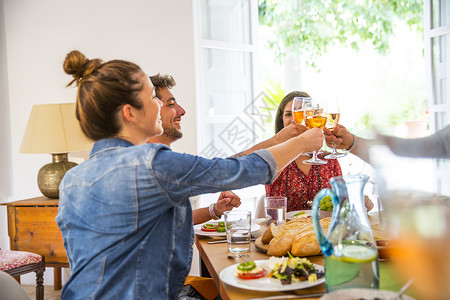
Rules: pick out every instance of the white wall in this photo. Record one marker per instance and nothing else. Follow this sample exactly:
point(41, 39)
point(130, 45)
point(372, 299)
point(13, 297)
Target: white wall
point(35, 36)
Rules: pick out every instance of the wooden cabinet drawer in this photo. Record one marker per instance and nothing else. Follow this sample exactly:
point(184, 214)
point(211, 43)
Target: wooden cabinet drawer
point(35, 230)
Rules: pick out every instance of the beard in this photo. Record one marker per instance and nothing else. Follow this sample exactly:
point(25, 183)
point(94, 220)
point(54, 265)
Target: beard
point(172, 133)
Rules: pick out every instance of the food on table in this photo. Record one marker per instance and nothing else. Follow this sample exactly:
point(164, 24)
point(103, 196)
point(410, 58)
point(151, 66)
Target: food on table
point(214, 227)
point(249, 270)
point(268, 234)
point(326, 204)
point(281, 238)
point(295, 269)
point(301, 214)
point(305, 243)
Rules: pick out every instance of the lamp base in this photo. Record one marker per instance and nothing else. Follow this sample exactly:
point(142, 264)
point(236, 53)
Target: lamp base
point(50, 175)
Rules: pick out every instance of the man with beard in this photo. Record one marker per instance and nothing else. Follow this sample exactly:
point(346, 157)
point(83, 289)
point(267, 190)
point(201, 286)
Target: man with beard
point(171, 113)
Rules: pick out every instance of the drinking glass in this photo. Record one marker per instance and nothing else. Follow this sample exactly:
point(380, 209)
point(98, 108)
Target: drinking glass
point(315, 118)
point(238, 229)
point(333, 113)
point(420, 248)
point(415, 197)
point(299, 105)
point(275, 208)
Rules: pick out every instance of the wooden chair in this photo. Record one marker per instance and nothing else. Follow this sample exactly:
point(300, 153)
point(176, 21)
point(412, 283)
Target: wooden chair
point(17, 263)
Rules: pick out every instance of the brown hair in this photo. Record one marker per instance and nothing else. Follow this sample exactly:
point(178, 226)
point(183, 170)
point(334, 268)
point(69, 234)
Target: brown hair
point(103, 89)
point(279, 116)
point(162, 81)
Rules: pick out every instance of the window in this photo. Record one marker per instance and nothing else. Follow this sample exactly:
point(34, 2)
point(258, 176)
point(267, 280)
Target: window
point(225, 35)
point(224, 68)
point(437, 47)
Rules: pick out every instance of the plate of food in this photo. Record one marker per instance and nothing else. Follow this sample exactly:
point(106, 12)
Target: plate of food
point(274, 275)
point(217, 228)
point(298, 214)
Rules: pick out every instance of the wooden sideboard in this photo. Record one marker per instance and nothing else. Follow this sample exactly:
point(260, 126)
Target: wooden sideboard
point(32, 227)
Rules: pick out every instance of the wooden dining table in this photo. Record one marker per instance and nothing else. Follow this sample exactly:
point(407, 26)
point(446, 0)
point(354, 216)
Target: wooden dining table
point(214, 257)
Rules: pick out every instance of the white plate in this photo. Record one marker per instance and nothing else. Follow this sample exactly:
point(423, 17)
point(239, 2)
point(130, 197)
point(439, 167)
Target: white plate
point(264, 284)
point(349, 294)
point(198, 229)
point(290, 215)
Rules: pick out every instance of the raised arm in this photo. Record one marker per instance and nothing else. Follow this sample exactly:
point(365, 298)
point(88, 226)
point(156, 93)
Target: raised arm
point(436, 145)
point(284, 134)
point(348, 141)
point(285, 152)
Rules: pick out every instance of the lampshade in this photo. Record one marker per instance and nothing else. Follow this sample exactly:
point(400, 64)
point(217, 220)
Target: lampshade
point(54, 129)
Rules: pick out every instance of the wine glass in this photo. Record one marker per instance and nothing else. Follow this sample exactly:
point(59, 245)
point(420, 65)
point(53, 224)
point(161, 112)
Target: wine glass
point(333, 113)
point(315, 118)
point(299, 105)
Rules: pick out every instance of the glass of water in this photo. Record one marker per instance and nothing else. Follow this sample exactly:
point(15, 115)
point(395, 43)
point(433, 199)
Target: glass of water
point(238, 229)
point(275, 208)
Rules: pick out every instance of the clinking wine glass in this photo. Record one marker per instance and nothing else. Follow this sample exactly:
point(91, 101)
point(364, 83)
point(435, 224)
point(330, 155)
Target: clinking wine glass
point(299, 105)
point(314, 118)
point(333, 114)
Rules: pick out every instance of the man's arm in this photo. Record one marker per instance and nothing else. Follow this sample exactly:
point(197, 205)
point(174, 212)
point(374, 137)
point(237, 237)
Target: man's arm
point(284, 134)
point(436, 145)
point(345, 140)
point(226, 202)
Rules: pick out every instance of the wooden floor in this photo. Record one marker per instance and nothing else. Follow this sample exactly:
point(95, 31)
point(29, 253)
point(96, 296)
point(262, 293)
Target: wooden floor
point(49, 292)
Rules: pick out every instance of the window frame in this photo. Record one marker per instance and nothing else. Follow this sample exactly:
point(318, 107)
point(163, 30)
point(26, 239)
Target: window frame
point(203, 117)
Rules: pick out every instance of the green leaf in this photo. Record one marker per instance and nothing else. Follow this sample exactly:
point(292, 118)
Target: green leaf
point(310, 27)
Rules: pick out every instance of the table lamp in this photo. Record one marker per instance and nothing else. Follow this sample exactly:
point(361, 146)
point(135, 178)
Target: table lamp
point(54, 129)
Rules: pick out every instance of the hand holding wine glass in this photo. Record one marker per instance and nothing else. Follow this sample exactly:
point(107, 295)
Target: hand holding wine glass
point(314, 118)
point(299, 105)
point(333, 115)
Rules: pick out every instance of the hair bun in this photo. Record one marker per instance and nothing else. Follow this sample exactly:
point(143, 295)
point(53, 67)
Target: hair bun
point(79, 66)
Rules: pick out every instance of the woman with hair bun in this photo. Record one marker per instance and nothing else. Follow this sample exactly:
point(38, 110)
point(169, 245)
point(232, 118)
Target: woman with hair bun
point(124, 213)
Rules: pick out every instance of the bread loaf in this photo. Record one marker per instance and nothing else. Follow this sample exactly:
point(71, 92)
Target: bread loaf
point(284, 234)
point(305, 243)
point(268, 234)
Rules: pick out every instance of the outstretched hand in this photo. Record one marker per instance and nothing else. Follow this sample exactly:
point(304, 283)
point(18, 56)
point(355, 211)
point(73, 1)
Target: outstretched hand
point(312, 139)
point(288, 132)
point(341, 137)
point(226, 202)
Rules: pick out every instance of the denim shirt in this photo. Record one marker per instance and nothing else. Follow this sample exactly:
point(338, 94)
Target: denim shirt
point(126, 218)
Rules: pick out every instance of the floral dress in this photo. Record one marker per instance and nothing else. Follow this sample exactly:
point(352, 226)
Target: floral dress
point(299, 188)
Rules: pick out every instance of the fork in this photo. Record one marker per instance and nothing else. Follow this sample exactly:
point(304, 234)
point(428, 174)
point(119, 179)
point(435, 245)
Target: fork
point(246, 257)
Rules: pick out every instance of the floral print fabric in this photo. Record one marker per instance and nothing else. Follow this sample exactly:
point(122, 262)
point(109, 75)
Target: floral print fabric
point(14, 259)
point(299, 188)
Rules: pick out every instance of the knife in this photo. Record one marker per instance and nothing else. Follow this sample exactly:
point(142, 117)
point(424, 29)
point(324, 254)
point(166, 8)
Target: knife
point(224, 241)
point(288, 296)
point(217, 242)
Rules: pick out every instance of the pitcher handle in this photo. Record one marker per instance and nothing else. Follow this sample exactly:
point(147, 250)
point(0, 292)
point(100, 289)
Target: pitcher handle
point(325, 245)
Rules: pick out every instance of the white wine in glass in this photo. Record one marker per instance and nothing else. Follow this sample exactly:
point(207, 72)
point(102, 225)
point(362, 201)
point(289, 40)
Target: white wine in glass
point(333, 115)
point(298, 108)
point(315, 119)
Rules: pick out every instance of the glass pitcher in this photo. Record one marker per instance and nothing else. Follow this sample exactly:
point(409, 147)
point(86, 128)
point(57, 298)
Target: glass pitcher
point(351, 257)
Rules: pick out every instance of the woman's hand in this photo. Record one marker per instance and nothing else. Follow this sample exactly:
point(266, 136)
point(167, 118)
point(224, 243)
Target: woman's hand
point(312, 139)
point(288, 132)
point(226, 202)
point(368, 203)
